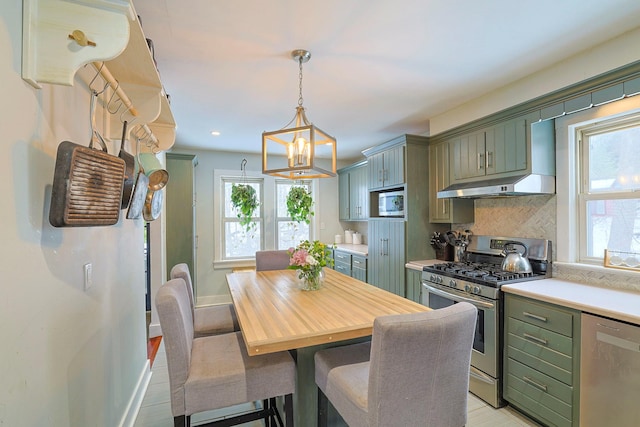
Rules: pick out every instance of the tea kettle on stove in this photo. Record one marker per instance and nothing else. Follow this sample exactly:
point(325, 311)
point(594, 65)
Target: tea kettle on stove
point(515, 261)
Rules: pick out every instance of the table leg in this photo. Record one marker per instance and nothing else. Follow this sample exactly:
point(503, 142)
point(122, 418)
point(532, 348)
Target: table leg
point(305, 399)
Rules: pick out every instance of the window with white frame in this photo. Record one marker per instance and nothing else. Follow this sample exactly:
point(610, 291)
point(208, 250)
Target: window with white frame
point(608, 187)
point(289, 233)
point(234, 246)
point(240, 242)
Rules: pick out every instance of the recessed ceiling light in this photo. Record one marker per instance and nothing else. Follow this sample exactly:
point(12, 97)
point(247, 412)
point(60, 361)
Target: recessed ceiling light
point(215, 132)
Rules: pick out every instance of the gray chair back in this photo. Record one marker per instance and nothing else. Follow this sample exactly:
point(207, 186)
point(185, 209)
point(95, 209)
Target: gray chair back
point(176, 321)
point(181, 271)
point(272, 260)
point(419, 370)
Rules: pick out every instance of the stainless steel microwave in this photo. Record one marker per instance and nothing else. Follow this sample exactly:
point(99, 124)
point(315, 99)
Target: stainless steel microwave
point(391, 203)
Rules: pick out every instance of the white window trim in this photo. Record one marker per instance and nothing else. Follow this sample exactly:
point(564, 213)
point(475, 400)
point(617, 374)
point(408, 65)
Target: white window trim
point(567, 185)
point(268, 215)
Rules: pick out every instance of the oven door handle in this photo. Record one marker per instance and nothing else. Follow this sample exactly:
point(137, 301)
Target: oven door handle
point(458, 298)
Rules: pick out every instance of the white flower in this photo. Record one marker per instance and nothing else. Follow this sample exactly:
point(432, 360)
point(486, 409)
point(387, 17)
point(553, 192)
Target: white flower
point(311, 260)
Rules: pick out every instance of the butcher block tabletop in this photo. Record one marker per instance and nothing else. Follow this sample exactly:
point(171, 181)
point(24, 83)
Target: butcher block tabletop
point(275, 314)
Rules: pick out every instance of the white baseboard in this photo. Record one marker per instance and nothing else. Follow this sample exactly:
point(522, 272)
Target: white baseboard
point(131, 413)
point(155, 330)
point(213, 300)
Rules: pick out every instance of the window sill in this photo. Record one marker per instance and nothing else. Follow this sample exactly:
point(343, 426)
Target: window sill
point(237, 263)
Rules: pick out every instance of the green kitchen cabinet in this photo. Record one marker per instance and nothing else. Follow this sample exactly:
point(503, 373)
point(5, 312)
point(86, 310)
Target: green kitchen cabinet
point(359, 267)
point(445, 210)
point(542, 360)
point(350, 264)
point(342, 262)
point(353, 197)
point(386, 169)
point(414, 285)
point(180, 205)
point(512, 147)
point(387, 254)
point(394, 241)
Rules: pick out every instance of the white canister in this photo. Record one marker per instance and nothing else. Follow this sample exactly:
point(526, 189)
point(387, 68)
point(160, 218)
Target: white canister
point(348, 236)
point(357, 238)
point(337, 238)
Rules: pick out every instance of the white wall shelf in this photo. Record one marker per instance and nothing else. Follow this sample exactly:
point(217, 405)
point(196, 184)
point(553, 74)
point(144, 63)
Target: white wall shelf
point(118, 49)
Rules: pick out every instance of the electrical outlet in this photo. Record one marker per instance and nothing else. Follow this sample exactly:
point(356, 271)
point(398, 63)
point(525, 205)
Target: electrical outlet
point(88, 280)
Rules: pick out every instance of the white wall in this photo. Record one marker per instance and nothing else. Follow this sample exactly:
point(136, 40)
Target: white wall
point(68, 357)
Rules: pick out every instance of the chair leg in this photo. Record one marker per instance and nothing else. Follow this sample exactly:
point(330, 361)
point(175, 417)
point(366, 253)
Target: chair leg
point(323, 408)
point(288, 410)
point(182, 421)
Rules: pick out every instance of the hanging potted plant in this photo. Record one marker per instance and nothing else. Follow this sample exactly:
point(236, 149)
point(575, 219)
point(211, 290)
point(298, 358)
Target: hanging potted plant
point(299, 204)
point(245, 200)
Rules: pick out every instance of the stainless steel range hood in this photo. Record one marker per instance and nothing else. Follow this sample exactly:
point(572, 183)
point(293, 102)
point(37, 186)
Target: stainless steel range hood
point(521, 185)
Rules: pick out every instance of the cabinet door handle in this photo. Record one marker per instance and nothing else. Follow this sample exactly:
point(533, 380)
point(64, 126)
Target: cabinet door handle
point(489, 155)
point(480, 161)
point(534, 383)
point(534, 316)
point(381, 247)
point(380, 175)
point(535, 339)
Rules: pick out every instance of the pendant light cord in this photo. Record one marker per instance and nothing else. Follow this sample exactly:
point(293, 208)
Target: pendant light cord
point(300, 77)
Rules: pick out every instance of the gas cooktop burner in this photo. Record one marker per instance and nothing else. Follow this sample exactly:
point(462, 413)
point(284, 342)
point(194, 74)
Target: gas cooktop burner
point(479, 272)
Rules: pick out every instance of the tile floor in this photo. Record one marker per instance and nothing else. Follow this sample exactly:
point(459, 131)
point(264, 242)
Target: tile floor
point(156, 407)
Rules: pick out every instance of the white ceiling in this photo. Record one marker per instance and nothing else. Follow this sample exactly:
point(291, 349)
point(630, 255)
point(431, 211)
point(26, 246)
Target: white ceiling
point(379, 68)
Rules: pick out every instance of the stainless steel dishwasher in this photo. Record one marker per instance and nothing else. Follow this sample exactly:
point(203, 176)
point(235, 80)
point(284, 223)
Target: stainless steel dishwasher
point(609, 373)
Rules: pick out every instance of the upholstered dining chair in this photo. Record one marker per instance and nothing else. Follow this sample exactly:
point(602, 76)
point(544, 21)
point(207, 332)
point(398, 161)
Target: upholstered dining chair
point(215, 372)
point(272, 260)
point(209, 320)
point(413, 372)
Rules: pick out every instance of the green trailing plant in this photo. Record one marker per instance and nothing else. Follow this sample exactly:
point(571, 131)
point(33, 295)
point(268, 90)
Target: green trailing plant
point(299, 204)
point(245, 200)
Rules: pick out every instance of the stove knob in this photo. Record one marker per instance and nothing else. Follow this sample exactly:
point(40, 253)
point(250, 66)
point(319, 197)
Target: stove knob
point(476, 289)
point(467, 288)
point(452, 283)
point(440, 279)
point(433, 278)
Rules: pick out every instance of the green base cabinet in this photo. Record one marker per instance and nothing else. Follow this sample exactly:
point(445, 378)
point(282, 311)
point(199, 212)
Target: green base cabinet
point(342, 262)
point(414, 285)
point(359, 267)
point(387, 254)
point(542, 360)
point(350, 264)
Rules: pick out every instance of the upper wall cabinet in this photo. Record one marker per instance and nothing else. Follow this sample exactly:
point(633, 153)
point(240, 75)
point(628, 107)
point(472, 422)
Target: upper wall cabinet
point(353, 197)
point(445, 210)
point(386, 168)
point(60, 36)
point(507, 148)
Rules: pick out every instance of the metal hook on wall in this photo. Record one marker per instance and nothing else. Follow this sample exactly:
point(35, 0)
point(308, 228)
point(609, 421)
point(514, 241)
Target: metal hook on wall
point(96, 76)
point(120, 104)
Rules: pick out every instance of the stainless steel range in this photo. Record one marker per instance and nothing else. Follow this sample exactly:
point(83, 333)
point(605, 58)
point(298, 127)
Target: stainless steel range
point(477, 280)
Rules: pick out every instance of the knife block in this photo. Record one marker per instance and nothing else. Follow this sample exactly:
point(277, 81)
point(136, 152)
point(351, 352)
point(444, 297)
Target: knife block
point(445, 254)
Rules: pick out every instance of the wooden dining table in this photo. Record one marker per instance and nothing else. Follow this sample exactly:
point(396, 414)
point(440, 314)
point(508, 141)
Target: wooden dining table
point(276, 315)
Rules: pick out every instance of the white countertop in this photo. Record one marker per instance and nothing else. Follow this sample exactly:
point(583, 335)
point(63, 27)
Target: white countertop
point(354, 249)
point(615, 303)
point(417, 265)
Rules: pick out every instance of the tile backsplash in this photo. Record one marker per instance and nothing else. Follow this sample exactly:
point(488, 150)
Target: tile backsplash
point(522, 216)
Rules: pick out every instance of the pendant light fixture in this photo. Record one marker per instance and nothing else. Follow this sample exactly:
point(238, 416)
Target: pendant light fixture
point(293, 151)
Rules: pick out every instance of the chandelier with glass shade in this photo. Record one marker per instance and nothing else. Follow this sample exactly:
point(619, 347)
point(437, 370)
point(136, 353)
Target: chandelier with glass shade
point(300, 149)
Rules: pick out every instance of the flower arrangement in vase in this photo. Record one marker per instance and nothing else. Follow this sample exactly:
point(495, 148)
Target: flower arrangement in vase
point(309, 258)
